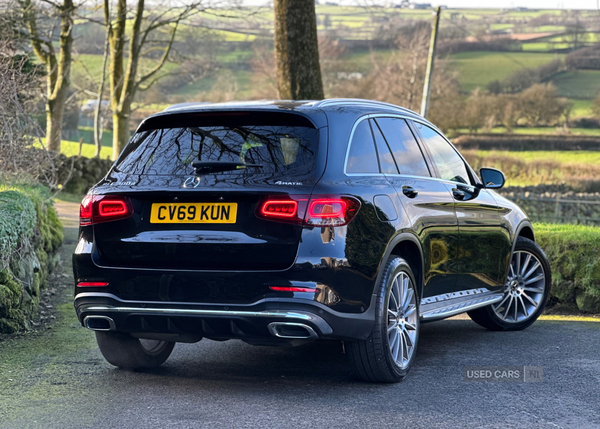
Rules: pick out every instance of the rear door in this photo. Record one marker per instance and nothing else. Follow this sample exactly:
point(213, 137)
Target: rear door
point(483, 243)
point(425, 200)
point(366, 166)
point(208, 217)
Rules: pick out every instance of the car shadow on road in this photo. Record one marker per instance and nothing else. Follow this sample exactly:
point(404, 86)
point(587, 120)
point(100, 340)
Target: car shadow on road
point(321, 362)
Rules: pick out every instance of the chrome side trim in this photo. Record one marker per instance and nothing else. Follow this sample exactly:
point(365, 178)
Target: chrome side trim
point(292, 315)
point(312, 335)
point(447, 296)
point(454, 309)
point(389, 115)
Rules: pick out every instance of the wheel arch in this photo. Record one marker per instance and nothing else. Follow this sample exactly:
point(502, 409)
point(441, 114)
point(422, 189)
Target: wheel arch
point(524, 229)
point(408, 247)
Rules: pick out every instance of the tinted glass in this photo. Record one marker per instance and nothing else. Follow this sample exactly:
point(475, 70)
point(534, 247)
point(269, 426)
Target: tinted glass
point(386, 161)
point(448, 161)
point(362, 157)
point(171, 151)
point(406, 151)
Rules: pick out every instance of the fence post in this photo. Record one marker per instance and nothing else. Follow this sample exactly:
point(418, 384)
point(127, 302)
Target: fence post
point(557, 211)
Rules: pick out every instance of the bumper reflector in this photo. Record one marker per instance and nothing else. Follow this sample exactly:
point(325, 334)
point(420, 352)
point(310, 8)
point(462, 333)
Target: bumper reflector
point(92, 284)
point(293, 289)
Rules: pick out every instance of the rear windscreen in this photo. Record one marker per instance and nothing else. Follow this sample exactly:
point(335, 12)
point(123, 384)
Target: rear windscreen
point(278, 148)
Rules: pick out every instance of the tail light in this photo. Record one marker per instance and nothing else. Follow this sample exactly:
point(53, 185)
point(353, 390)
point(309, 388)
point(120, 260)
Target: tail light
point(281, 209)
point(316, 210)
point(286, 208)
point(103, 208)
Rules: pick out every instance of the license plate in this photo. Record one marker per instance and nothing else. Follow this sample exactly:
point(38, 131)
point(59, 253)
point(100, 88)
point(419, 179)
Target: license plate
point(193, 213)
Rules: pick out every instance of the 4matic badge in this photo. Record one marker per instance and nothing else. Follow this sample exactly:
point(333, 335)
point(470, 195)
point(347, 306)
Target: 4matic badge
point(279, 182)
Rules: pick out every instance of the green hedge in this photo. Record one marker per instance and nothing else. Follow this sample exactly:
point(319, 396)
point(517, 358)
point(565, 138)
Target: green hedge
point(574, 253)
point(30, 235)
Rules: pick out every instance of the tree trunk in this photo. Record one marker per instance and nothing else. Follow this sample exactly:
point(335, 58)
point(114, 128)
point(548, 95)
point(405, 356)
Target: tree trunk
point(120, 133)
point(297, 50)
point(58, 68)
point(53, 128)
point(98, 122)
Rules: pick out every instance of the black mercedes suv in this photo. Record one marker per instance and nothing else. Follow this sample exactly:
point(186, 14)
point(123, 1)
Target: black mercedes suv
point(286, 222)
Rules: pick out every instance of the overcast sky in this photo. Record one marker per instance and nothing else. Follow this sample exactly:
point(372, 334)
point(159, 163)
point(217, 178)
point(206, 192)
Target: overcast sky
point(532, 4)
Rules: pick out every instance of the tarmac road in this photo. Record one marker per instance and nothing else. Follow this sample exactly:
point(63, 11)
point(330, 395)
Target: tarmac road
point(58, 379)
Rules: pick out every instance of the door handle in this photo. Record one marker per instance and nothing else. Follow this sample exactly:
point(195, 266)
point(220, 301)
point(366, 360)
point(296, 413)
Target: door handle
point(458, 194)
point(409, 192)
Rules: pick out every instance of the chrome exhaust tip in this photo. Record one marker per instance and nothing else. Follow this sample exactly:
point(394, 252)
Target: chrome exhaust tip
point(99, 323)
point(292, 331)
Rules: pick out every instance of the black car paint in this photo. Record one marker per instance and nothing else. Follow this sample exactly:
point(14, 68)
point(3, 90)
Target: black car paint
point(344, 263)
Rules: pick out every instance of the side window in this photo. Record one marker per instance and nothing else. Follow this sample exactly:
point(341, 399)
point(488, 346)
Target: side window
point(386, 160)
point(406, 150)
point(362, 157)
point(448, 161)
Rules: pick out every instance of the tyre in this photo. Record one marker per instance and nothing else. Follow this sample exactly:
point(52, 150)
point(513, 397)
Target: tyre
point(388, 353)
point(525, 292)
point(127, 352)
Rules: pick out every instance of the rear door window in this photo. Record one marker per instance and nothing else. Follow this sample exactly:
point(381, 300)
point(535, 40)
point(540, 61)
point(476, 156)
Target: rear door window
point(386, 160)
point(404, 146)
point(277, 148)
point(362, 157)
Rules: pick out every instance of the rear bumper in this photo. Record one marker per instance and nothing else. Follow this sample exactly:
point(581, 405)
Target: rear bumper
point(250, 322)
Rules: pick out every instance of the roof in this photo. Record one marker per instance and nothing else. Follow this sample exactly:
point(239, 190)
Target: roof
point(314, 110)
point(300, 105)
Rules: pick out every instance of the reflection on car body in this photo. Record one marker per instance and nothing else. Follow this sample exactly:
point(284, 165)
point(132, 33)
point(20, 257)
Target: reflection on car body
point(288, 222)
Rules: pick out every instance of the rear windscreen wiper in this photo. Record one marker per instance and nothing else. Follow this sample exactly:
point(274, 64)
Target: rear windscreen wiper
point(205, 167)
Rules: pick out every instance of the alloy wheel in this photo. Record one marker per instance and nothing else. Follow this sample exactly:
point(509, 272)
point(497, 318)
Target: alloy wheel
point(524, 288)
point(402, 320)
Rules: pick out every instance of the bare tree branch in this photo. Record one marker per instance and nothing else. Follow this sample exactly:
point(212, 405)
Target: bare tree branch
point(162, 61)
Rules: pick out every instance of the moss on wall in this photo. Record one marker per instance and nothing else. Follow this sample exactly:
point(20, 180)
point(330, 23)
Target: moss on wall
point(30, 235)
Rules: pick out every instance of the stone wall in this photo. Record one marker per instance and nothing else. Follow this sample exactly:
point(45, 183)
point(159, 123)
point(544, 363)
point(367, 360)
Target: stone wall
point(84, 172)
point(30, 235)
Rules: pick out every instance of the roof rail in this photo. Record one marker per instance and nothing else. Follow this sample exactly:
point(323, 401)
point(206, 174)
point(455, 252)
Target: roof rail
point(334, 101)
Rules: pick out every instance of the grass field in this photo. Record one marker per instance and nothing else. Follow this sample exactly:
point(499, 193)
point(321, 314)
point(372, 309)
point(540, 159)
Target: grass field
point(543, 46)
point(70, 148)
point(564, 157)
point(541, 131)
point(579, 169)
point(582, 84)
point(87, 133)
point(581, 108)
point(477, 69)
point(472, 69)
point(90, 66)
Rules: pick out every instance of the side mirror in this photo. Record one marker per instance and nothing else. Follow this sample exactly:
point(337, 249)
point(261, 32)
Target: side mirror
point(492, 178)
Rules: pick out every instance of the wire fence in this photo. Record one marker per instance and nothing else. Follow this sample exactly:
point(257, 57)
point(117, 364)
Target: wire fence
point(559, 210)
